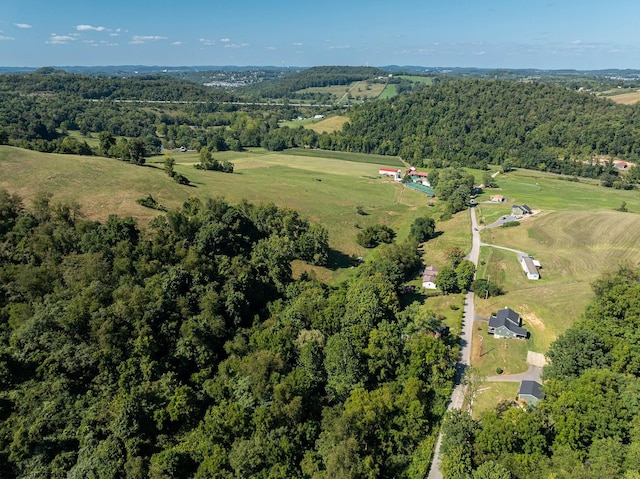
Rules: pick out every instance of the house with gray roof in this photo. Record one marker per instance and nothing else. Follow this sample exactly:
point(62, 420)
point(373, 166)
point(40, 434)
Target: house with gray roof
point(506, 323)
point(518, 210)
point(530, 392)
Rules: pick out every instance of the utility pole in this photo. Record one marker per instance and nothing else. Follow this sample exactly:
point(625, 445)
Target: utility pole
point(486, 293)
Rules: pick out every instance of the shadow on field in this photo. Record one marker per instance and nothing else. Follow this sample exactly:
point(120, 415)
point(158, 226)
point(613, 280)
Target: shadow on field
point(338, 260)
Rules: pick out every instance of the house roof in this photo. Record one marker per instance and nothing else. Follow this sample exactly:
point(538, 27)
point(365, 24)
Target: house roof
point(529, 264)
point(523, 208)
point(531, 388)
point(508, 318)
point(390, 170)
point(429, 274)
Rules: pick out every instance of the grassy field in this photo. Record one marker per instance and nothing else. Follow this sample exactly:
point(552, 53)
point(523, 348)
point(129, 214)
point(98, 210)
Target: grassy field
point(331, 124)
point(348, 156)
point(313, 185)
point(389, 91)
point(577, 235)
point(357, 89)
point(418, 79)
point(626, 98)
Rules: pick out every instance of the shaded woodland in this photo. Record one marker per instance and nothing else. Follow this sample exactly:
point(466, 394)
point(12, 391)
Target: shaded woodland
point(187, 349)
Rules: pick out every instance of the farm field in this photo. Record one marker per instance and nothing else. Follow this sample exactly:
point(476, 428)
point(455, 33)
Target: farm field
point(364, 89)
point(331, 124)
point(315, 186)
point(577, 236)
point(627, 98)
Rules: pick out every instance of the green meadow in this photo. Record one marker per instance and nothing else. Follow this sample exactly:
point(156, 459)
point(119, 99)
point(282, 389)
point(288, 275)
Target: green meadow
point(327, 190)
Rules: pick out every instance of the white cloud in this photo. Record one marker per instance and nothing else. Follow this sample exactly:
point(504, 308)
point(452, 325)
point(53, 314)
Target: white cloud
point(177, 43)
point(114, 34)
point(22, 25)
point(298, 44)
point(5, 38)
point(339, 47)
point(207, 42)
point(60, 39)
point(139, 39)
point(481, 53)
point(271, 48)
point(225, 40)
point(84, 28)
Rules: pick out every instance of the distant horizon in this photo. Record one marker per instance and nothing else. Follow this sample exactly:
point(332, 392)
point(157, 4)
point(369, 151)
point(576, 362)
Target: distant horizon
point(296, 67)
point(492, 34)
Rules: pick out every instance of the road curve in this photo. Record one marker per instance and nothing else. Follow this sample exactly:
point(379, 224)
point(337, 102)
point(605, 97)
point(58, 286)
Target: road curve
point(457, 397)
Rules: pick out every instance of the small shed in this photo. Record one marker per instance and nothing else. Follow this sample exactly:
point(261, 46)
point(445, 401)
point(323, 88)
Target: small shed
point(530, 392)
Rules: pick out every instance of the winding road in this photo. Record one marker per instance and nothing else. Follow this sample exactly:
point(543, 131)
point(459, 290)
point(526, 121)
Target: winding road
point(457, 397)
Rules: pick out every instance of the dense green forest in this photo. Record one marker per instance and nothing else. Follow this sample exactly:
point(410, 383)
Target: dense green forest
point(187, 349)
point(477, 122)
point(588, 424)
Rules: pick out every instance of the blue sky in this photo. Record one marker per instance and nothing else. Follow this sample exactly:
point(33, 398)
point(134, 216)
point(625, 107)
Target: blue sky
point(550, 34)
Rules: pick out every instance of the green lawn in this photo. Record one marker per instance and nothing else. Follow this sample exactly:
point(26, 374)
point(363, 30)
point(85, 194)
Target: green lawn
point(491, 394)
point(383, 160)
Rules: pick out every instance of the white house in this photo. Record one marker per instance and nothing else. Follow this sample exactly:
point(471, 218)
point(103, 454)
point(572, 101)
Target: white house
point(429, 277)
point(529, 267)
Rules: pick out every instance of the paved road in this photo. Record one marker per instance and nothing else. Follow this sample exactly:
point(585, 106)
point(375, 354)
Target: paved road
point(457, 397)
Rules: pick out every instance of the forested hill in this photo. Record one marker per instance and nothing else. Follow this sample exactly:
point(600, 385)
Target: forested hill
point(312, 77)
point(473, 122)
point(48, 81)
point(188, 350)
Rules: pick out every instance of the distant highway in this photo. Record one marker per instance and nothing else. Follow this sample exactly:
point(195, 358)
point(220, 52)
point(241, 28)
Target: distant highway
point(249, 103)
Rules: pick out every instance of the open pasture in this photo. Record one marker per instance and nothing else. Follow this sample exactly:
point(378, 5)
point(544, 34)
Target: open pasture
point(325, 190)
point(362, 89)
point(577, 236)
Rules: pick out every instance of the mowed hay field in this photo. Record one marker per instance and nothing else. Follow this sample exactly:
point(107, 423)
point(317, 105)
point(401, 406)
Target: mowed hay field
point(629, 98)
point(324, 190)
point(577, 235)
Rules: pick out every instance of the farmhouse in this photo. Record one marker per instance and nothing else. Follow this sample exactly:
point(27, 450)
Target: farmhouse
point(530, 267)
point(530, 392)
point(396, 174)
point(506, 323)
point(520, 210)
point(429, 277)
point(497, 198)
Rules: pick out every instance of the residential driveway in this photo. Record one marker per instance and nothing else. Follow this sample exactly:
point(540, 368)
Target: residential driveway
point(502, 220)
point(518, 252)
point(533, 374)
